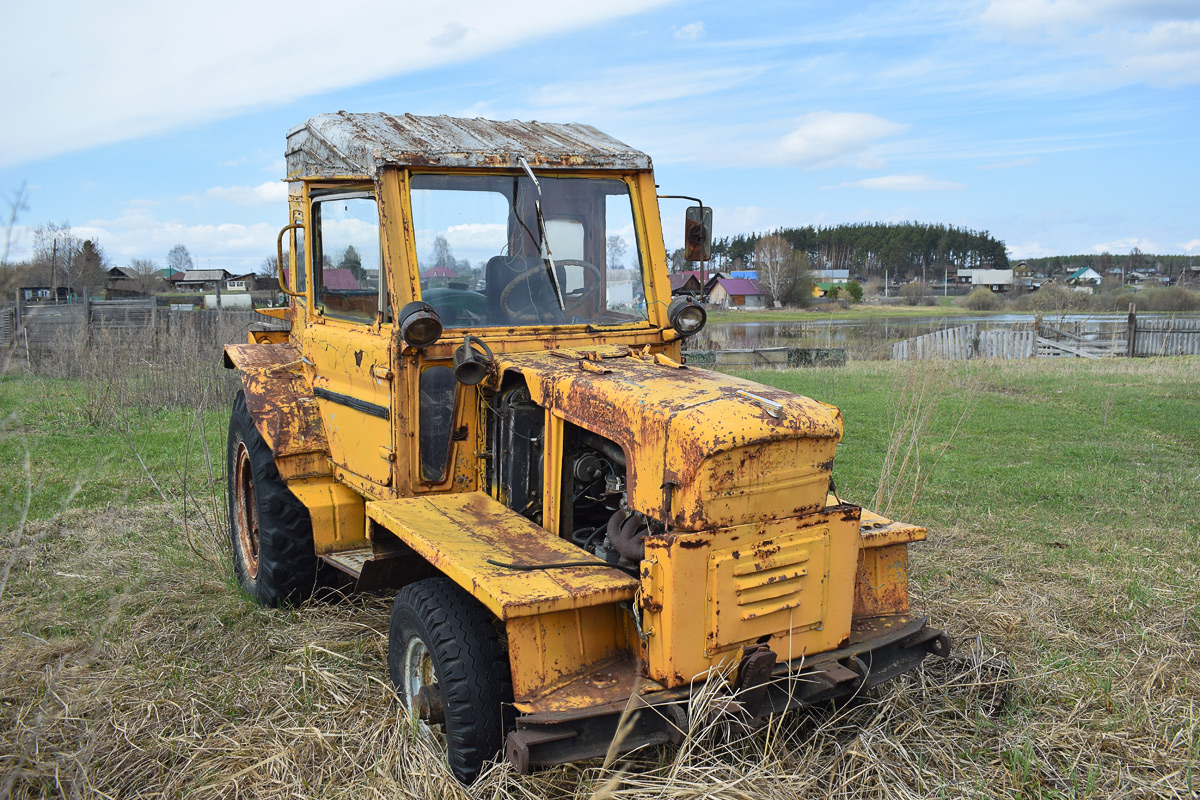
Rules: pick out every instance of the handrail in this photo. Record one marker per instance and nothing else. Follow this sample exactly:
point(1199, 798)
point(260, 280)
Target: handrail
point(279, 272)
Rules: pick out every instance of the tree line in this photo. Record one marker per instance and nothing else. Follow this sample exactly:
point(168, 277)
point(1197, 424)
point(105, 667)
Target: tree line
point(904, 250)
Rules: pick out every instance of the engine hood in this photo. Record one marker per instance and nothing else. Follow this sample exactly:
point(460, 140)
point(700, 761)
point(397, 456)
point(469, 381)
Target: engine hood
point(703, 449)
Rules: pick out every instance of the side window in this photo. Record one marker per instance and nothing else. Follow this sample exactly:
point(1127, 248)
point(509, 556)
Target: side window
point(623, 267)
point(346, 256)
point(438, 389)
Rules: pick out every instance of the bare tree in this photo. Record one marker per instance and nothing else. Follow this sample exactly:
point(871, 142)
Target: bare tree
point(145, 272)
point(179, 259)
point(773, 260)
point(56, 252)
point(269, 268)
point(616, 252)
point(15, 208)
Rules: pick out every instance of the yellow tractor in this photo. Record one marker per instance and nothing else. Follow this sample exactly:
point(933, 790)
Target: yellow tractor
point(481, 404)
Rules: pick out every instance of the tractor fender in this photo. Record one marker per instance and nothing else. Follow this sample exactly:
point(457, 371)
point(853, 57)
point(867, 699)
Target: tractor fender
point(279, 397)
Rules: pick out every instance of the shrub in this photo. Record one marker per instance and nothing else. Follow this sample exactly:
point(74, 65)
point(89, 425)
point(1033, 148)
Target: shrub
point(1169, 298)
point(855, 290)
point(916, 293)
point(982, 298)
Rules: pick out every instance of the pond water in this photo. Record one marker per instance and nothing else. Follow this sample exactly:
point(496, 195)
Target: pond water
point(873, 337)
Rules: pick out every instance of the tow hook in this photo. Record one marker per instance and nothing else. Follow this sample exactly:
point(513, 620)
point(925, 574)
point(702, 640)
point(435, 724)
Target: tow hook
point(753, 676)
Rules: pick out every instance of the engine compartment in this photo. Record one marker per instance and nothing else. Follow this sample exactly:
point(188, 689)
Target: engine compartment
point(595, 513)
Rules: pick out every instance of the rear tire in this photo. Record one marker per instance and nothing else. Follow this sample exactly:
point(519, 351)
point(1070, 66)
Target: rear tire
point(269, 529)
point(442, 640)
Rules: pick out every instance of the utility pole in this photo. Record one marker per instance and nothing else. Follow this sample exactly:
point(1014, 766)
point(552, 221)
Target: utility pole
point(54, 269)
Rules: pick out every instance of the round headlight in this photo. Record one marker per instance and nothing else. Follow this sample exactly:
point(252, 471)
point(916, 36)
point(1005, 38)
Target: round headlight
point(686, 316)
point(420, 325)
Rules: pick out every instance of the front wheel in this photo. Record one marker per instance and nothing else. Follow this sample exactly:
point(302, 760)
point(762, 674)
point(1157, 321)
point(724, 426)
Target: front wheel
point(450, 670)
point(269, 529)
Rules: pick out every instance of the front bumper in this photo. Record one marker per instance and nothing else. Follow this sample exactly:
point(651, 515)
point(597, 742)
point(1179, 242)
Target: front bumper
point(880, 648)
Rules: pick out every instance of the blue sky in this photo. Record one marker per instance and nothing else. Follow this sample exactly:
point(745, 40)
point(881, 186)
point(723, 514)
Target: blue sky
point(1060, 126)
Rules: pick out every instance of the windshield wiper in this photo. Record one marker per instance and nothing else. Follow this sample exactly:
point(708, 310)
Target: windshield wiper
point(547, 257)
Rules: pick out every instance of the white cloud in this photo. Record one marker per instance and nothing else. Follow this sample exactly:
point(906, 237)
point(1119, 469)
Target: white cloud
point(831, 138)
point(901, 183)
point(265, 194)
point(1125, 245)
point(451, 34)
point(1021, 250)
point(1190, 245)
point(690, 32)
point(158, 69)
point(1030, 14)
point(636, 86)
point(1152, 42)
point(137, 233)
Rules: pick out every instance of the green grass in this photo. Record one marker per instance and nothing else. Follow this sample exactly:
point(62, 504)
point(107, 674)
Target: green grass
point(77, 463)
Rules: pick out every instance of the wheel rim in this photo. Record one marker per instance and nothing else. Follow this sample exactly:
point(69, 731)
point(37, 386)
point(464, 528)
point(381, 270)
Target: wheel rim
point(418, 673)
point(246, 511)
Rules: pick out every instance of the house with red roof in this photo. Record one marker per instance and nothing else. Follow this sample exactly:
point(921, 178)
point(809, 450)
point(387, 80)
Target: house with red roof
point(339, 280)
point(738, 293)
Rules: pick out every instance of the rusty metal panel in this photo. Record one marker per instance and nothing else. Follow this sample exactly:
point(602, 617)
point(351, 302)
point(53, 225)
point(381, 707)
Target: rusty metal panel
point(343, 144)
point(279, 397)
point(338, 519)
point(462, 533)
point(703, 448)
point(881, 583)
point(680, 602)
point(567, 660)
point(879, 531)
point(775, 584)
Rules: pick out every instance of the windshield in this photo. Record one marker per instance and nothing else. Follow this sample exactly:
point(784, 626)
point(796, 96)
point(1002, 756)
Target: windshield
point(482, 263)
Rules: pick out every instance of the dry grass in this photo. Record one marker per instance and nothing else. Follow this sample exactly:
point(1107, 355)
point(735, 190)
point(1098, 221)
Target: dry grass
point(133, 668)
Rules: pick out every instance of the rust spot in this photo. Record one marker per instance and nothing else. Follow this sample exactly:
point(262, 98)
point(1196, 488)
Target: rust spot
point(358, 354)
point(692, 544)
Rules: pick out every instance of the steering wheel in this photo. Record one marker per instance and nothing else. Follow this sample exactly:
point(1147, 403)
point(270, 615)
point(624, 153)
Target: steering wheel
point(571, 301)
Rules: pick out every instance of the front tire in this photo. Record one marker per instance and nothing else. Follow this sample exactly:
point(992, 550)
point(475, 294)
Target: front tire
point(269, 529)
point(449, 669)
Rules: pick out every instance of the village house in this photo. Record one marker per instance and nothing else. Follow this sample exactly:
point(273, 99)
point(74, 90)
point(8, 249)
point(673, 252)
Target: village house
point(1083, 278)
point(998, 280)
point(738, 293)
point(199, 280)
point(686, 283)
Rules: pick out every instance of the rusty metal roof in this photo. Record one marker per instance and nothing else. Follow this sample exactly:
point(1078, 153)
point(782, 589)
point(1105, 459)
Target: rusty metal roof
point(359, 144)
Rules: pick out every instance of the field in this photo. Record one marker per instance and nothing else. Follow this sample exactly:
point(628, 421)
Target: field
point(1063, 501)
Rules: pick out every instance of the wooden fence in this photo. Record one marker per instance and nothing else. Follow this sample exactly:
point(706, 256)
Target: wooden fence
point(1107, 339)
point(38, 327)
point(1166, 337)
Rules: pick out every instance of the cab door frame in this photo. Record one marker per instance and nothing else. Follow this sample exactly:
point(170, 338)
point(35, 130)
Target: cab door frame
point(348, 359)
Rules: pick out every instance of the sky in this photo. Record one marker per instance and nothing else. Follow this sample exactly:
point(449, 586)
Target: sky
point(1059, 126)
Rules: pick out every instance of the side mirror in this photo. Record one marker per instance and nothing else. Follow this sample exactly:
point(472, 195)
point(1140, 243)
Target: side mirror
point(697, 234)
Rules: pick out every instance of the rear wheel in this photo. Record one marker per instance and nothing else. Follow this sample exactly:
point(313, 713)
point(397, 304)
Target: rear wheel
point(269, 529)
point(450, 670)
